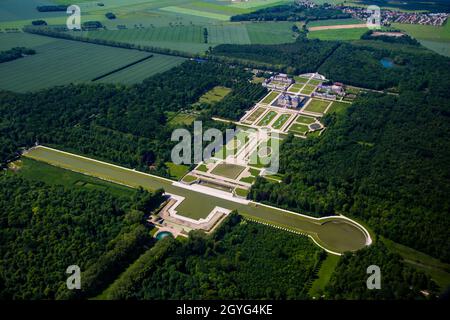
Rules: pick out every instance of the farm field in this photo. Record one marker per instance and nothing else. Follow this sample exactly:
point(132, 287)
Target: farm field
point(318, 106)
point(333, 22)
point(432, 37)
point(49, 66)
point(341, 235)
point(337, 34)
point(137, 73)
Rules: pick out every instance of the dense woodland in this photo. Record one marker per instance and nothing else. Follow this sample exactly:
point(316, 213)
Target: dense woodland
point(398, 281)
point(294, 58)
point(240, 260)
point(44, 229)
point(292, 12)
point(15, 53)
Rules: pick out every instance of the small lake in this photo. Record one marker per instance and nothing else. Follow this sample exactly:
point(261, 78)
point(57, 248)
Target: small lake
point(387, 63)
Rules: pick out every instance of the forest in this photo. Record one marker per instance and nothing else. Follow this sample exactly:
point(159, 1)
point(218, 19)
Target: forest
point(398, 281)
point(292, 12)
point(293, 58)
point(15, 53)
point(44, 229)
point(240, 260)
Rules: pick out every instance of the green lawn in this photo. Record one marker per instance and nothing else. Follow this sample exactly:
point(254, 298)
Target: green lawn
point(241, 192)
point(305, 119)
point(338, 107)
point(281, 120)
point(323, 276)
point(177, 119)
point(258, 112)
point(230, 171)
point(39, 171)
point(177, 171)
point(298, 129)
point(318, 106)
point(214, 95)
point(202, 168)
point(267, 118)
point(308, 89)
point(270, 97)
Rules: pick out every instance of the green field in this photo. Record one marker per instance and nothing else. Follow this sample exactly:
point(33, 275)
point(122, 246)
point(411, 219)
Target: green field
point(177, 118)
point(177, 171)
point(267, 118)
point(433, 37)
point(230, 171)
point(280, 121)
point(50, 65)
point(323, 276)
point(40, 171)
point(298, 129)
point(318, 106)
point(334, 233)
point(338, 107)
point(214, 95)
point(305, 120)
point(270, 97)
point(308, 89)
point(337, 34)
point(334, 22)
point(255, 115)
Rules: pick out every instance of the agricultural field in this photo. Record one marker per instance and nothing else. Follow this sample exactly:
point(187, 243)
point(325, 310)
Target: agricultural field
point(267, 118)
point(280, 121)
point(337, 34)
point(433, 37)
point(137, 73)
point(50, 65)
point(333, 22)
point(317, 106)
